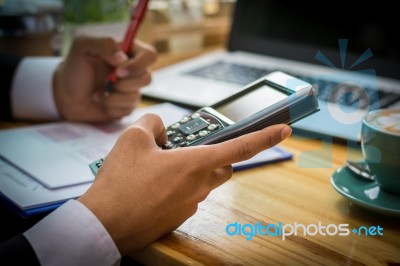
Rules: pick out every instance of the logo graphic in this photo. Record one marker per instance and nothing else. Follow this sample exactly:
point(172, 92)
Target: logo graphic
point(350, 88)
point(347, 93)
point(297, 229)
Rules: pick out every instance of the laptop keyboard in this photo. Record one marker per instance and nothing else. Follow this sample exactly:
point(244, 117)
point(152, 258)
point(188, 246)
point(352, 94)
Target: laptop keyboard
point(234, 73)
point(347, 94)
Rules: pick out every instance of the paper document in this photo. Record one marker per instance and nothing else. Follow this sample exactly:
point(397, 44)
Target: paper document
point(58, 154)
point(45, 165)
point(28, 194)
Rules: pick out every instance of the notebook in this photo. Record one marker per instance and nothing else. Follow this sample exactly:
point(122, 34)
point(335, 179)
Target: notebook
point(351, 55)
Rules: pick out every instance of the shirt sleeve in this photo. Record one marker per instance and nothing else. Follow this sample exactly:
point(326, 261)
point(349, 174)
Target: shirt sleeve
point(32, 89)
point(72, 235)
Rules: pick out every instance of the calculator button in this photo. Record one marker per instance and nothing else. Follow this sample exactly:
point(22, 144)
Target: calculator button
point(184, 120)
point(193, 126)
point(177, 139)
point(191, 137)
point(195, 115)
point(170, 132)
point(213, 127)
point(183, 144)
point(168, 145)
point(176, 125)
point(203, 133)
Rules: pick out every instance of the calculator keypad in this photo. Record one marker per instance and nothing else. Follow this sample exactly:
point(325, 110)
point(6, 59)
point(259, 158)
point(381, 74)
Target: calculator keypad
point(191, 129)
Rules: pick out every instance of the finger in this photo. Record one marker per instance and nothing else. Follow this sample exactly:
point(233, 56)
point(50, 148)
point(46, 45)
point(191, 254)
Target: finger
point(244, 147)
point(133, 84)
point(220, 176)
point(102, 47)
point(121, 100)
point(143, 56)
point(141, 47)
point(154, 126)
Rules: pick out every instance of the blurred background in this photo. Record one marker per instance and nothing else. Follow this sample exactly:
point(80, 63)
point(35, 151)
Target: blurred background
point(46, 27)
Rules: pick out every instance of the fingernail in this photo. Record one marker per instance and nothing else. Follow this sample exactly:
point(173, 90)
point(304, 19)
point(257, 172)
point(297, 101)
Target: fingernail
point(286, 132)
point(120, 57)
point(122, 72)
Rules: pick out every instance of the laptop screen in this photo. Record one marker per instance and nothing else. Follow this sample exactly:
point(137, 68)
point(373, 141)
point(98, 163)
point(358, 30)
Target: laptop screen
point(298, 30)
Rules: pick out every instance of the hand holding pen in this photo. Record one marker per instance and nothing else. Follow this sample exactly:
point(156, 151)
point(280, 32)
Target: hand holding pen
point(136, 19)
point(78, 83)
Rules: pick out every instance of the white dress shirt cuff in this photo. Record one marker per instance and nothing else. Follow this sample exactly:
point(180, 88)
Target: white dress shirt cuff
point(72, 235)
point(32, 89)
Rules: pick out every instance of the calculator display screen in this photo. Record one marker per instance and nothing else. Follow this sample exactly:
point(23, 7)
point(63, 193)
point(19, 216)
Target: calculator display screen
point(251, 103)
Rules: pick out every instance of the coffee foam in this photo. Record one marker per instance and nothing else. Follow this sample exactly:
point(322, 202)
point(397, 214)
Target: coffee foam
point(385, 120)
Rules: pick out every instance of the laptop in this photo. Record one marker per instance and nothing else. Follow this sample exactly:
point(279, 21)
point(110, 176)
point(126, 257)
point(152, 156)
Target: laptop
point(350, 55)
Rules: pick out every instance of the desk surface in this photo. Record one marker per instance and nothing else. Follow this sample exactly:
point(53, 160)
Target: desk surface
point(299, 191)
point(281, 192)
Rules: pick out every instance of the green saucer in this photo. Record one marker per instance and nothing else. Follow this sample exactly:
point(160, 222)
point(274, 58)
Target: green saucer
point(365, 193)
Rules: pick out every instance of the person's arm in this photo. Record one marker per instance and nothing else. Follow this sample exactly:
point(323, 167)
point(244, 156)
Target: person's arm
point(32, 96)
point(140, 193)
point(143, 192)
point(18, 251)
point(26, 87)
point(72, 235)
point(47, 88)
point(8, 65)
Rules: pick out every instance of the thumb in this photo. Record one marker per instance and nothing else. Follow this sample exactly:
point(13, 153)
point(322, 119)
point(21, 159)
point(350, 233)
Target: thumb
point(245, 147)
point(153, 128)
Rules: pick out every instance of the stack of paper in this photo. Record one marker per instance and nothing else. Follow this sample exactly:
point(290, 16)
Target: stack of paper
point(43, 166)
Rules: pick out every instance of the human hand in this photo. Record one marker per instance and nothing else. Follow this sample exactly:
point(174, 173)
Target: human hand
point(142, 192)
point(80, 79)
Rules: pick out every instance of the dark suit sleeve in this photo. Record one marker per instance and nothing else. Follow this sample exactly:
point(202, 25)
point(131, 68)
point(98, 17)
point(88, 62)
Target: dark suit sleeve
point(17, 251)
point(8, 65)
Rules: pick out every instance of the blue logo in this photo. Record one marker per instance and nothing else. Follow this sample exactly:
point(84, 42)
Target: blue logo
point(349, 92)
point(284, 230)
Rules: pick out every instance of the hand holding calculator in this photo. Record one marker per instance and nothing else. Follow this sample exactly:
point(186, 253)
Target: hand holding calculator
point(273, 99)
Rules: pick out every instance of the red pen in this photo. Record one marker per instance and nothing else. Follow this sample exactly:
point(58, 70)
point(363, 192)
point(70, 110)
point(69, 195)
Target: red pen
point(136, 19)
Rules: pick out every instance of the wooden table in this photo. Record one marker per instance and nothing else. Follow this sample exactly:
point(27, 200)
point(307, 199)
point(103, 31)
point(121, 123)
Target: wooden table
point(281, 192)
point(299, 191)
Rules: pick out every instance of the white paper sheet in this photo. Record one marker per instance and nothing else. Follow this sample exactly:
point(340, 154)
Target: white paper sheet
point(58, 154)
